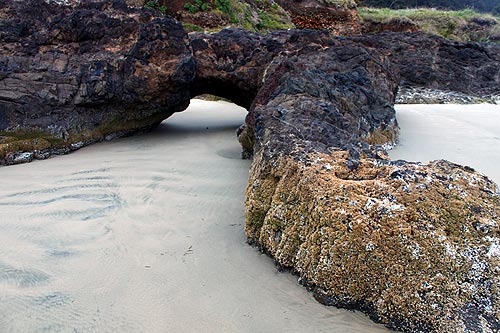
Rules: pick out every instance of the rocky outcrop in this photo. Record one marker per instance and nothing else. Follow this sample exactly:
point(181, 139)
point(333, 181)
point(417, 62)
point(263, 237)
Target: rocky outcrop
point(72, 77)
point(413, 245)
point(416, 246)
point(470, 71)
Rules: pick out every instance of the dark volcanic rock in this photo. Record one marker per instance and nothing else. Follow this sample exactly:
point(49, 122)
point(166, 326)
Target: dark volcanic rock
point(416, 246)
point(70, 75)
point(431, 62)
point(293, 74)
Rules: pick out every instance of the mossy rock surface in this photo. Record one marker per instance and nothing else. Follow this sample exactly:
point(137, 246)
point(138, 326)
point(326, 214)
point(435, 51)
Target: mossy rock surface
point(416, 246)
point(461, 25)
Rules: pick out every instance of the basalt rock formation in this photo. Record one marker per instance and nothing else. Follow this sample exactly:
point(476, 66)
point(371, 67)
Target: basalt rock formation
point(434, 69)
point(415, 246)
point(72, 77)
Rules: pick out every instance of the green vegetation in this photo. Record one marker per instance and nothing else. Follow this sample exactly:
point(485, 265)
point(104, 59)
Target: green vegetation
point(273, 18)
point(154, 4)
point(492, 6)
point(189, 27)
point(265, 16)
point(418, 13)
point(258, 15)
point(197, 6)
point(463, 25)
point(223, 5)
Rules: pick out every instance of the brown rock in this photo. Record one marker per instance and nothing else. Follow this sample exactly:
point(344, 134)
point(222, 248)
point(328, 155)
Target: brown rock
point(339, 17)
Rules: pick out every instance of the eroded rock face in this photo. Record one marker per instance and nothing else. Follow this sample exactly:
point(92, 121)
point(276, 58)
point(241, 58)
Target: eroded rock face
point(416, 246)
point(471, 71)
point(69, 77)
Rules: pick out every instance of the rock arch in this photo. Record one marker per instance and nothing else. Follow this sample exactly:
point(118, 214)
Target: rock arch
point(413, 245)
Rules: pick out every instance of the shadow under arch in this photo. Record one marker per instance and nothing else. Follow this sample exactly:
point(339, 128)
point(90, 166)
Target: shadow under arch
point(216, 89)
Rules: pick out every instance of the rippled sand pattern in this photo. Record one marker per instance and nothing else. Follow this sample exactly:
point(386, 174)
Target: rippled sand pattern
point(145, 234)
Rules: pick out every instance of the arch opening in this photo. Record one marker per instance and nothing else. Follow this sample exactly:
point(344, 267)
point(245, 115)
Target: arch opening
point(226, 90)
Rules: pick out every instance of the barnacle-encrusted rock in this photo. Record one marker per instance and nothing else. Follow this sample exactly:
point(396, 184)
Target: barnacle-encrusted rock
point(416, 246)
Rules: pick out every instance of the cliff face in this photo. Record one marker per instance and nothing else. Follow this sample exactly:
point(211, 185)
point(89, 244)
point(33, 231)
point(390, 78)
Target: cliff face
point(414, 245)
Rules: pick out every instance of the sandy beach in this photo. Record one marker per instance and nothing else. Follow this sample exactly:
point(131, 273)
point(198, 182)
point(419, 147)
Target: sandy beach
point(464, 134)
point(145, 234)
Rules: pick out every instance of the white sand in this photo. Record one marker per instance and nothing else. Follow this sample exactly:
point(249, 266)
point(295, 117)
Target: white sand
point(464, 134)
point(145, 234)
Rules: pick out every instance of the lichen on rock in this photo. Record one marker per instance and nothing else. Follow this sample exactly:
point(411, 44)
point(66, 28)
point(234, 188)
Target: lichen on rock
point(412, 245)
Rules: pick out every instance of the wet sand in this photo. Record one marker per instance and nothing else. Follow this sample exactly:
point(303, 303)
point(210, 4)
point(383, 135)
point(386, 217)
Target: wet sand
point(145, 234)
point(464, 134)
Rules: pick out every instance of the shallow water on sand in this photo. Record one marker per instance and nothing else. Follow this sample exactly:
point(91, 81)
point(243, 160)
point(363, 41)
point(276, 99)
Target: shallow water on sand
point(145, 234)
point(464, 134)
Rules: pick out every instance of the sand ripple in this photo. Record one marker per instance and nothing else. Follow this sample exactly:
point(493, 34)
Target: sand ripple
point(145, 234)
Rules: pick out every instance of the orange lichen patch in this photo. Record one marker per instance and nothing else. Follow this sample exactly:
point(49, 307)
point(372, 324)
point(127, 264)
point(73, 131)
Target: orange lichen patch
point(338, 22)
point(419, 241)
point(380, 136)
point(26, 145)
